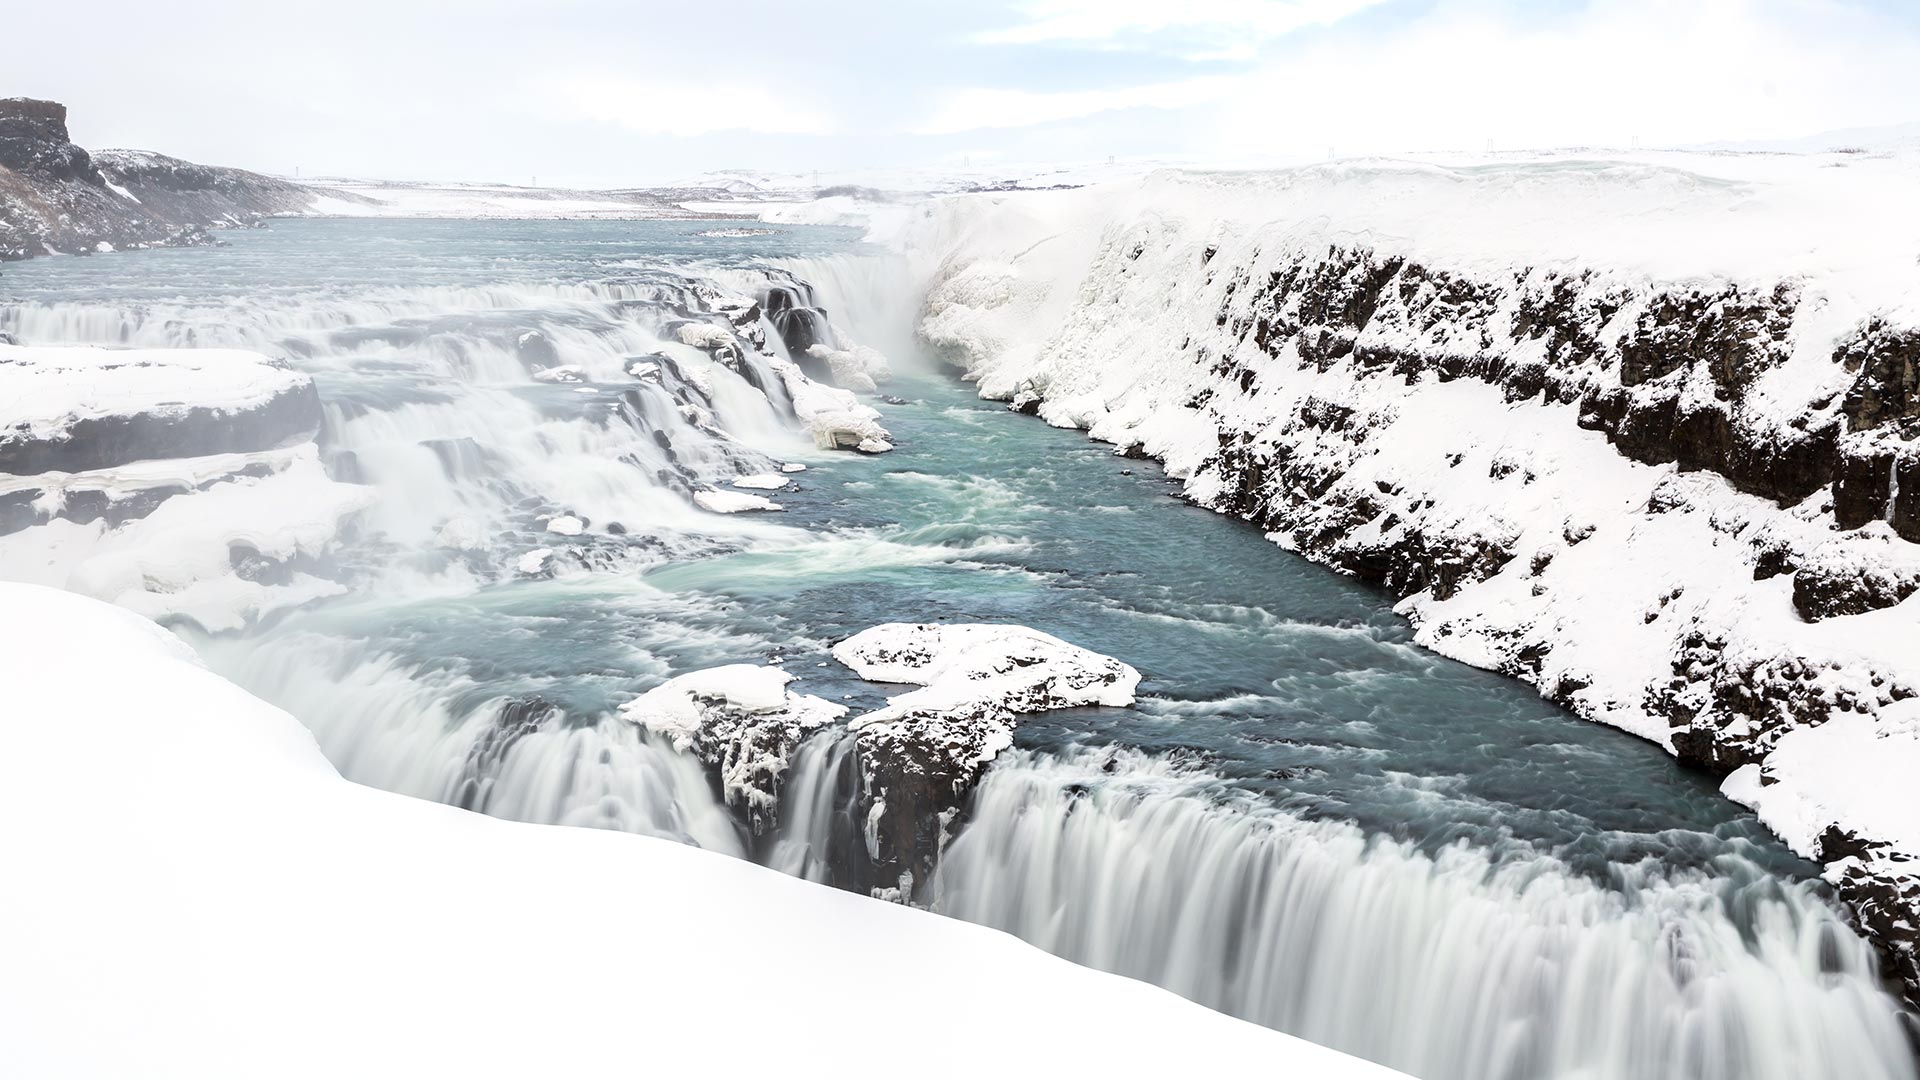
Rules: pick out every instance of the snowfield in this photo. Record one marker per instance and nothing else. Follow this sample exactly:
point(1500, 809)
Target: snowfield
point(199, 894)
point(1640, 429)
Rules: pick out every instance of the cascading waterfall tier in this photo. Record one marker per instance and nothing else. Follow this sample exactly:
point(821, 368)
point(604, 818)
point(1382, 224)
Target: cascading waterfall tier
point(1455, 964)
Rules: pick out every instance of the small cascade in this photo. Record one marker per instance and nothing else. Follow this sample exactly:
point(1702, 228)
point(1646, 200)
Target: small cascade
point(438, 734)
point(820, 831)
point(790, 306)
point(1457, 964)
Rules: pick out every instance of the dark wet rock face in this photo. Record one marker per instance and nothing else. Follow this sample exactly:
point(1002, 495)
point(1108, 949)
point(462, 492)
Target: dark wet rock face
point(55, 196)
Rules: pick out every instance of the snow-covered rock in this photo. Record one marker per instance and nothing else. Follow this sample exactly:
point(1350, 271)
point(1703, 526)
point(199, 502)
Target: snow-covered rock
point(859, 369)
point(760, 481)
point(76, 408)
point(370, 934)
point(925, 750)
point(742, 721)
point(732, 502)
point(1640, 431)
point(566, 525)
point(703, 336)
point(536, 563)
point(565, 373)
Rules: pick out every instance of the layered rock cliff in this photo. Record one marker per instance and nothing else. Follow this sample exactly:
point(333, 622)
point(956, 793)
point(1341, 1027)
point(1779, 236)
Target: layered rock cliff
point(57, 197)
point(1638, 432)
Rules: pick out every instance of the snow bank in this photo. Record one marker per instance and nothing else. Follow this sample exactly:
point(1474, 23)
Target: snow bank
point(1632, 429)
point(222, 903)
point(742, 721)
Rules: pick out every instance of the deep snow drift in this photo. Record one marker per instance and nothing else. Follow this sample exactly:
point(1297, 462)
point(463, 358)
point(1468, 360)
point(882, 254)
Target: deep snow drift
point(221, 903)
point(1638, 431)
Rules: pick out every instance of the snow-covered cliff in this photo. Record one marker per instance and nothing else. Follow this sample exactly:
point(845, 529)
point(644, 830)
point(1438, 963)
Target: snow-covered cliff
point(56, 197)
point(1640, 430)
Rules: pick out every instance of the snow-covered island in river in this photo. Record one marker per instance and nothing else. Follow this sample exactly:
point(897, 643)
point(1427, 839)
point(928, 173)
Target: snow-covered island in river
point(654, 523)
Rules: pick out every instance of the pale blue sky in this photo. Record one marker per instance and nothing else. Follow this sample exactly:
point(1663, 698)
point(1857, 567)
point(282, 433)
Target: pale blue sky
point(600, 92)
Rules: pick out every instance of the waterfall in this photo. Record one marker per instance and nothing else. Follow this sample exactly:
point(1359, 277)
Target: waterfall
point(1457, 964)
point(435, 733)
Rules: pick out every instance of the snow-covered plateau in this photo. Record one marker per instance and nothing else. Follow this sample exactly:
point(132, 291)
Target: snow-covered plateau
point(1639, 430)
point(216, 901)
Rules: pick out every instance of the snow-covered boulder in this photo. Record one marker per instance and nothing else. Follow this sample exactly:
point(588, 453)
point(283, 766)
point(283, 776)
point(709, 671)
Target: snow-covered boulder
point(742, 721)
point(72, 408)
point(925, 750)
point(760, 481)
point(732, 502)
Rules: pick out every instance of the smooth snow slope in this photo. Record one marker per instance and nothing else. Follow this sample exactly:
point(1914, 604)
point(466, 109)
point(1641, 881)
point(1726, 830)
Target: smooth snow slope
point(193, 891)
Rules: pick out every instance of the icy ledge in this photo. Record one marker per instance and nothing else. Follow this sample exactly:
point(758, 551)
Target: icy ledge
point(223, 904)
point(73, 408)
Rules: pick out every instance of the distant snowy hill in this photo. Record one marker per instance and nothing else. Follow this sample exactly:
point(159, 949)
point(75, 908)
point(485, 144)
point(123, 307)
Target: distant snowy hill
point(57, 197)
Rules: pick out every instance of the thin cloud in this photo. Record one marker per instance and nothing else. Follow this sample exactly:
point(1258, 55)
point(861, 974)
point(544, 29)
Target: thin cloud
point(685, 107)
point(978, 108)
point(1231, 23)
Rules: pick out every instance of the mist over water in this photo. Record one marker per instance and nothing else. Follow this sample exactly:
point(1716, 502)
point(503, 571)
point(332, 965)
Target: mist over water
point(1307, 821)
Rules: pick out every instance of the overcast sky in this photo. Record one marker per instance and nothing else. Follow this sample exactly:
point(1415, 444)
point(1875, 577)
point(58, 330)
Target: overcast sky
point(597, 92)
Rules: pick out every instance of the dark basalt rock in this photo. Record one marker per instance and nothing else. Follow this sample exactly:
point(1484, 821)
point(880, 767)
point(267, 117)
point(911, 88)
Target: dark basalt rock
point(102, 442)
point(1823, 592)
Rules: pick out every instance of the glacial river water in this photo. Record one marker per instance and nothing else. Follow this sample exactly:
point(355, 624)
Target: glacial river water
point(1307, 820)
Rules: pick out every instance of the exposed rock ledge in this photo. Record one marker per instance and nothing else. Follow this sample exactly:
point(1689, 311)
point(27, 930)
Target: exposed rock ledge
point(1598, 438)
point(919, 757)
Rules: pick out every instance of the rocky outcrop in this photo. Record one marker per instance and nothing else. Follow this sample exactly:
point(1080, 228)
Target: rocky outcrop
point(921, 756)
point(56, 197)
point(917, 760)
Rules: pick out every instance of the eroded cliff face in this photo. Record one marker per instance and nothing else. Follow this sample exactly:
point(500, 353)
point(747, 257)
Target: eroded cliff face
point(57, 197)
point(1684, 505)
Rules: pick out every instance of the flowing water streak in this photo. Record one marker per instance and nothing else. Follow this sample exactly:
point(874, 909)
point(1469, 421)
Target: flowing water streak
point(1456, 965)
